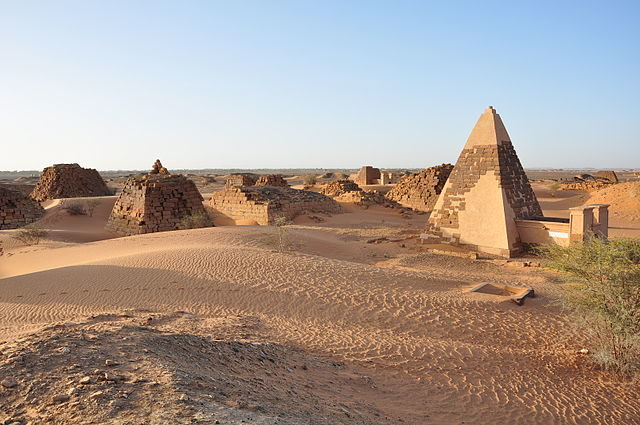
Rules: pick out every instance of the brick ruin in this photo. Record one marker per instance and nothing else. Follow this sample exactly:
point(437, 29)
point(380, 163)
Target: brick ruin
point(265, 204)
point(17, 209)
point(340, 187)
point(485, 193)
point(69, 181)
point(608, 175)
point(420, 191)
point(234, 180)
point(272, 180)
point(588, 182)
point(367, 175)
point(157, 202)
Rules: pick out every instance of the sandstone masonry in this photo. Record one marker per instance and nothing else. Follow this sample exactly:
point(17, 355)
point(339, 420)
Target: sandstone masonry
point(420, 191)
point(69, 181)
point(17, 210)
point(157, 202)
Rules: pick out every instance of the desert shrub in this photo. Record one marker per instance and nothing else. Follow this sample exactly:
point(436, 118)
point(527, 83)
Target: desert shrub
point(31, 234)
point(554, 188)
point(74, 208)
point(310, 180)
point(194, 221)
point(91, 206)
point(603, 295)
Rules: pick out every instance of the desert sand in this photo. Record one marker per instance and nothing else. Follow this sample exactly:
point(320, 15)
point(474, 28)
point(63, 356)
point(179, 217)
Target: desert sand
point(354, 323)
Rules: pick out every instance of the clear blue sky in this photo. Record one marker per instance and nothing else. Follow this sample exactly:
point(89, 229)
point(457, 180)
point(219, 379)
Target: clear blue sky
point(276, 84)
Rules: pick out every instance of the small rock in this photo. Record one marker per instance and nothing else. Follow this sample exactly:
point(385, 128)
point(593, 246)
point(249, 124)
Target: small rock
point(110, 363)
point(73, 391)
point(85, 380)
point(9, 383)
point(97, 394)
point(65, 350)
point(583, 351)
point(60, 398)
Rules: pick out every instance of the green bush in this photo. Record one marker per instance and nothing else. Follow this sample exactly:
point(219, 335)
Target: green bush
point(603, 295)
point(310, 180)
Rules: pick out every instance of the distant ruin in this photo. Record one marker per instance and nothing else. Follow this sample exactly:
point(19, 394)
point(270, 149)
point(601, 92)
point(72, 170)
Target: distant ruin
point(17, 210)
point(69, 181)
point(420, 191)
point(340, 187)
point(369, 175)
point(234, 180)
point(489, 205)
point(591, 182)
point(157, 202)
point(272, 180)
point(265, 204)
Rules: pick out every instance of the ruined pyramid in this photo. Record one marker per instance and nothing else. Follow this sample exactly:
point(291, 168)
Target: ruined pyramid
point(485, 193)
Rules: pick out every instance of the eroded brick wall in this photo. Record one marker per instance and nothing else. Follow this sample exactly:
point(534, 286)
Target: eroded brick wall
point(156, 203)
point(69, 181)
point(420, 191)
point(17, 210)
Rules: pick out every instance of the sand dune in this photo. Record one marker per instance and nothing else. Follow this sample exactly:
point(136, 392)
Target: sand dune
point(413, 329)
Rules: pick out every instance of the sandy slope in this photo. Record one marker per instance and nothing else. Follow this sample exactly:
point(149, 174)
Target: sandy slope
point(414, 346)
point(441, 355)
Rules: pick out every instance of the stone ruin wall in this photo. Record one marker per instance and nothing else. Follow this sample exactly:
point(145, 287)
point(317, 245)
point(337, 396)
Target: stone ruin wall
point(239, 180)
point(476, 162)
point(367, 175)
point(608, 175)
point(155, 203)
point(420, 191)
point(17, 210)
point(272, 180)
point(265, 204)
point(340, 187)
point(69, 181)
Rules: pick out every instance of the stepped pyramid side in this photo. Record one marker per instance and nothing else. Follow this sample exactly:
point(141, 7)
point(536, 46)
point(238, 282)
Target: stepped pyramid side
point(157, 202)
point(486, 191)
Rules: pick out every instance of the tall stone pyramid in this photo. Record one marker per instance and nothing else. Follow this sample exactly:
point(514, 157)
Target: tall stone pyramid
point(486, 191)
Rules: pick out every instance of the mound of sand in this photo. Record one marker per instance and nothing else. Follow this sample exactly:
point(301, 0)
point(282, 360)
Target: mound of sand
point(624, 199)
point(141, 368)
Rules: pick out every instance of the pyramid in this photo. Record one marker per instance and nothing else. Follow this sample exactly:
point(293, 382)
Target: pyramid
point(485, 193)
point(156, 202)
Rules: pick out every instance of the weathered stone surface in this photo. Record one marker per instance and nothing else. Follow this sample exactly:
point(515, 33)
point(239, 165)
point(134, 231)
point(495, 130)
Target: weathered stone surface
point(367, 175)
point(69, 181)
point(234, 180)
point(265, 204)
point(420, 191)
point(608, 175)
point(17, 210)
point(157, 202)
point(340, 187)
point(272, 180)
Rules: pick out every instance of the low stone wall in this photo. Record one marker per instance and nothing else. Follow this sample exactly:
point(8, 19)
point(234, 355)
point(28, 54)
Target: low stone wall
point(234, 180)
point(265, 204)
point(420, 191)
point(272, 180)
point(157, 203)
point(69, 181)
point(17, 210)
point(340, 187)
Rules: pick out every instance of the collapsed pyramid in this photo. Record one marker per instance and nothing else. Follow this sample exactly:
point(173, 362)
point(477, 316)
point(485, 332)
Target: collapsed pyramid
point(485, 193)
point(157, 202)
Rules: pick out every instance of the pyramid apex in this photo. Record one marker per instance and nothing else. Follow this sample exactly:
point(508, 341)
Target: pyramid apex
point(489, 130)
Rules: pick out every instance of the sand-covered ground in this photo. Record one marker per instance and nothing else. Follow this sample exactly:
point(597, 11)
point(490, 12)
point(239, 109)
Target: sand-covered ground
point(352, 323)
